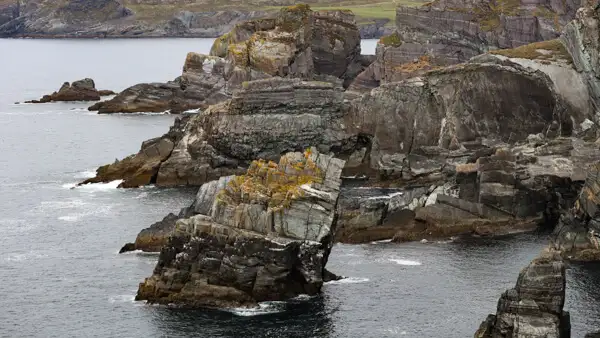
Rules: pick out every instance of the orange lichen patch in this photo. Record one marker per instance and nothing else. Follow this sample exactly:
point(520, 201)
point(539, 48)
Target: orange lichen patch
point(466, 168)
point(423, 63)
point(273, 184)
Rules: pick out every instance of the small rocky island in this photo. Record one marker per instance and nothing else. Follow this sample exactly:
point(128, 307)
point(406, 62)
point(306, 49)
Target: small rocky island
point(81, 90)
point(267, 236)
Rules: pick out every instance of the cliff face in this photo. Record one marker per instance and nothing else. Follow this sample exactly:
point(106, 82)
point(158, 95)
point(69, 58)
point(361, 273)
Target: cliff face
point(268, 237)
point(453, 31)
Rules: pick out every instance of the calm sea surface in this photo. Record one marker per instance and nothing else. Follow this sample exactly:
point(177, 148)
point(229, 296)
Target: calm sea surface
point(61, 276)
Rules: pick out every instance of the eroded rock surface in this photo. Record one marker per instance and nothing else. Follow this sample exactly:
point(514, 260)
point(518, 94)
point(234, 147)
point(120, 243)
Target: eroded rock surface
point(81, 90)
point(534, 307)
point(578, 233)
point(456, 30)
point(268, 238)
point(297, 43)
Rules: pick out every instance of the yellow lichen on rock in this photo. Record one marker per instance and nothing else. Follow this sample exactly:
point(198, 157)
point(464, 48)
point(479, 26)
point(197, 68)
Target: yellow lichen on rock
point(273, 184)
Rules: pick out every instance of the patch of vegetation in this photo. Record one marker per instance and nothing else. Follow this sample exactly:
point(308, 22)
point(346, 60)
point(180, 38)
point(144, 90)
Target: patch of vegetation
point(488, 14)
point(392, 40)
point(544, 12)
point(273, 184)
point(423, 63)
point(545, 50)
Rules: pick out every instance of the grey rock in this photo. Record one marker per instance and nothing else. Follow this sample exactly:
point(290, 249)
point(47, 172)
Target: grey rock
point(249, 251)
point(534, 308)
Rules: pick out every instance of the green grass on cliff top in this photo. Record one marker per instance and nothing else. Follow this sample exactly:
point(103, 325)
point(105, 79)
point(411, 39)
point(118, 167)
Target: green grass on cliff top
point(365, 10)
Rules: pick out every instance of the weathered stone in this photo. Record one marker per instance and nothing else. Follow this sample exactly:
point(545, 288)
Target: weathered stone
point(580, 37)
point(534, 308)
point(202, 83)
point(255, 246)
point(578, 233)
point(142, 168)
point(456, 30)
point(81, 90)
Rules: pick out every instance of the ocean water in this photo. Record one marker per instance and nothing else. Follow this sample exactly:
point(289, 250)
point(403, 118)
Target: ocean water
point(61, 276)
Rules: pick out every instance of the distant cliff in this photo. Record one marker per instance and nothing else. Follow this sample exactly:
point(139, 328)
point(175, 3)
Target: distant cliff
point(159, 18)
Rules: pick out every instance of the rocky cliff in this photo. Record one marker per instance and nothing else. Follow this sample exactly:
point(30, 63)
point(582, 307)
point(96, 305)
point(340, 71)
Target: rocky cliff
point(453, 31)
point(534, 307)
point(268, 237)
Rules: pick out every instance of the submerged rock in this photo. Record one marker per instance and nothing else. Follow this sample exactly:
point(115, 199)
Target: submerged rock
point(534, 307)
point(268, 238)
point(81, 90)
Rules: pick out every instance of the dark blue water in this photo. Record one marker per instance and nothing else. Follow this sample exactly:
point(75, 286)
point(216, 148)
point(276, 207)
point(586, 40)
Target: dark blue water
point(61, 276)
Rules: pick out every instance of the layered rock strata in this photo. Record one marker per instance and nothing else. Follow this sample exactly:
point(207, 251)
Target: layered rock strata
point(297, 43)
point(454, 31)
point(268, 237)
point(268, 118)
point(534, 307)
point(578, 234)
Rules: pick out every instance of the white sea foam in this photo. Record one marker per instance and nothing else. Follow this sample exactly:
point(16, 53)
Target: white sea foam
point(68, 204)
point(19, 257)
point(95, 186)
point(405, 262)
point(70, 218)
point(349, 280)
point(85, 174)
point(303, 297)
point(264, 308)
point(121, 299)
point(382, 241)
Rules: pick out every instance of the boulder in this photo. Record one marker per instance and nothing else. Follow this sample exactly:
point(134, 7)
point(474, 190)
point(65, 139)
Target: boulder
point(81, 90)
point(268, 238)
point(534, 307)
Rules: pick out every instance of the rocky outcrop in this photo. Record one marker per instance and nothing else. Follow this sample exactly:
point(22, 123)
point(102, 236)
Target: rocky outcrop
point(456, 30)
point(224, 139)
point(297, 43)
point(581, 39)
point(153, 238)
point(392, 65)
point(578, 234)
point(81, 90)
point(202, 83)
point(268, 237)
point(534, 307)
point(142, 168)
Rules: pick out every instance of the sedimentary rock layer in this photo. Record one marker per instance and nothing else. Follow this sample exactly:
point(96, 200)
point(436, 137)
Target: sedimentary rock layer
point(268, 238)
